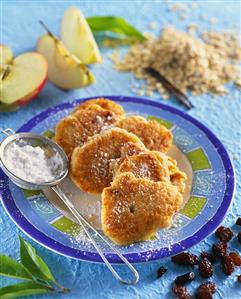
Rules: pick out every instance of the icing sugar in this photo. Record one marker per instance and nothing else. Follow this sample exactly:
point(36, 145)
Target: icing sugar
point(31, 164)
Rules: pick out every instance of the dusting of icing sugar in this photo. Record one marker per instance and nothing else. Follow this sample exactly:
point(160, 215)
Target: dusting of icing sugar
point(106, 127)
point(31, 163)
point(144, 171)
point(82, 238)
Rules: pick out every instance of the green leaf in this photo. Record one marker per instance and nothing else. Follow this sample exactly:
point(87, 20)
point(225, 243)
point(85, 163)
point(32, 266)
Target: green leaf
point(105, 40)
point(11, 268)
point(116, 25)
point(33, 262)
point(24, 289)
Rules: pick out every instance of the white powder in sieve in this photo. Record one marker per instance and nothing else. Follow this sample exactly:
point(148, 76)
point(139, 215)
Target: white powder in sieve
point(31, 163)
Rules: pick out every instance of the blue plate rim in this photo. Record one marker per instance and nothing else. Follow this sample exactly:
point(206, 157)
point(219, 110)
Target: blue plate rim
point(16, 216)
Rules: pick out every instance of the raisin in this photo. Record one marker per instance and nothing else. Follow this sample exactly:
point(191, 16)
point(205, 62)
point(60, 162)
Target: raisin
point(238, 222)
point(203, 295)
point(115, 192)
point(161, 271)
point(236, 258)
point(182, 279)
point(220, 249)
point(206, 290)
point(181, 292)
point(211, 257)
point(205, 268)
point(227, 265)
point(239, 237)
point(207, 286)
point(239, 278)
point(185, 258)
point(224, 234)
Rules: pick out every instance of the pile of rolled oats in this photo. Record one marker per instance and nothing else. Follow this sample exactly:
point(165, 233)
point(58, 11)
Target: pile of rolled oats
point(193, 64)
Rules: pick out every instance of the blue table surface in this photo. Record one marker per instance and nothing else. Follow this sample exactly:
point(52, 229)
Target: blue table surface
point(20, 30)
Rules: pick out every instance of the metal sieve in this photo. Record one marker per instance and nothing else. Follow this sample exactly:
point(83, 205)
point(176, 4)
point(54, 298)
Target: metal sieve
point(49, 145)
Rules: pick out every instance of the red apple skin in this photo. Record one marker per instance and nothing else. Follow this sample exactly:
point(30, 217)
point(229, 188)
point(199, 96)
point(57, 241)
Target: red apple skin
point(26, 99)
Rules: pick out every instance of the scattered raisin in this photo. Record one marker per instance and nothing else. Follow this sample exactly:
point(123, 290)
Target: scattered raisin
point(239, 237)
point(203, 295)
point(206, 290)
point(224, 234)
point(210, 256)
point(239, 278)
point(236, 258)
point(220, 249)
point(227, 265)
point(182, 279)
point(185, 258)
point(161, 271)
point(238, 222)
point(181, 292)
point(205, 268)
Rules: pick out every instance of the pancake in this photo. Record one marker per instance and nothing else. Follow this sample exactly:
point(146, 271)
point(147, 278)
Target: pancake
point(152, 165)
point(103, 103)
point(133, 209)
point(70, 133)
point(149, 165)
point(75, 129)
point(177, 177)
point(152, 134)
point(91, 167)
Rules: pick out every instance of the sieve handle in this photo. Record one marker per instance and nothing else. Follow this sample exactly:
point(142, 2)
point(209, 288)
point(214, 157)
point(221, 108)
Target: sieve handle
point(82, 221)
point(8, 132)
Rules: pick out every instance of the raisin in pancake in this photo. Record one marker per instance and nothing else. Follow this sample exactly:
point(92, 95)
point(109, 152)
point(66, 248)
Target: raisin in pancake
point(133, 209)
point(152, 134)
point(75, 129)
point(91, 165)
point(103, 103)
point(150, 165)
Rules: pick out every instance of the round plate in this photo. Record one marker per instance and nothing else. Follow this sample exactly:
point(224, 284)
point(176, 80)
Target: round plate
point(211, 193)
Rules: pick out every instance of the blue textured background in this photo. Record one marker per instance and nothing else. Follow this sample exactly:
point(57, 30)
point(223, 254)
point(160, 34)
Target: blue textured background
point(19, 30)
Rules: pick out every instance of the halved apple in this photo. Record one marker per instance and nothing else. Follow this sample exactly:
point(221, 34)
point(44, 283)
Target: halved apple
point(65, 70)
point(22, 79)
point(78, 38)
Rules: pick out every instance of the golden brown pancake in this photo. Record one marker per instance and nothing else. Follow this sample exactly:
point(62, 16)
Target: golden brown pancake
point(70, 133)
point(152, 134)
point(103, 103)
point(150, 165)
point(92, 164)
point(133, 209)
point(177, 177)
point(75, 129)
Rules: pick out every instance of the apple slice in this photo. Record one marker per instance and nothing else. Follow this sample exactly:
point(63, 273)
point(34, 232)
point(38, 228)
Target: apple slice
point(65, 70)
point(6, 55)
point(78, 38)
point(23, 78)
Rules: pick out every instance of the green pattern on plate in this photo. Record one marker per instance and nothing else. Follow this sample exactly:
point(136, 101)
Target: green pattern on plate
point(48, 134)
point(163, 122)
point(198, 159)
point(67, 226)
point(30, 193)
point(193, 207)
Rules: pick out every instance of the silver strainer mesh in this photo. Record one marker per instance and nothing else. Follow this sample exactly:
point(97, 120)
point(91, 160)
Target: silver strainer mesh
point(50, 148)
